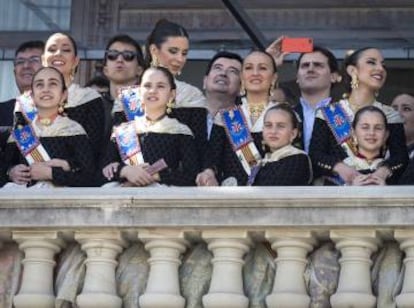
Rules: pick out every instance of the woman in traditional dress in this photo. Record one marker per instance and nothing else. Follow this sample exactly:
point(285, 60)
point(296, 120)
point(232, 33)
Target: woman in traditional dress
point(235, 141)
point(331, 139)
point(168, 46)
point(54, 150)
point(153, 148)
point(84, 105)
point(283, 164)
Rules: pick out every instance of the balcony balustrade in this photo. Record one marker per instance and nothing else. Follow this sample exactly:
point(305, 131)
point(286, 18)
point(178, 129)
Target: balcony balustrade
point(229, 221)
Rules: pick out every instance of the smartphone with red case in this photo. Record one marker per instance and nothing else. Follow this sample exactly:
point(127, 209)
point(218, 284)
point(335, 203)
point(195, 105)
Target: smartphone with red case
point(297, 44)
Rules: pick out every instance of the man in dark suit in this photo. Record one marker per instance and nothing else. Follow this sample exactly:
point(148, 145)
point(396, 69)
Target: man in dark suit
point(27, 61)
point(317, 72)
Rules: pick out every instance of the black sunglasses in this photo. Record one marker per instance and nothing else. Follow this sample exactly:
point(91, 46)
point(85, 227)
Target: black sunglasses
point(126, 54)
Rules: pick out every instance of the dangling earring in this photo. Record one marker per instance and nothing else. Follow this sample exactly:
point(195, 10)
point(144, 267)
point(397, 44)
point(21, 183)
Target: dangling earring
point(242, 90)
point(61, 109)
point(72, 73)
point(271, 90)
point(170, 106)
point(354, 82)
point(154, 62)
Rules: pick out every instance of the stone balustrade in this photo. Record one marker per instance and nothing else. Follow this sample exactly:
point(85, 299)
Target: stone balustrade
point(229, 220)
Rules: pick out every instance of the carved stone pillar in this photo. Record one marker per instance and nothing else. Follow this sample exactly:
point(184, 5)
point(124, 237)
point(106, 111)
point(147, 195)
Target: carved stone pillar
point(165, 248)
point(354, 287)
point(102, 249)
point(406, 239)
point(39, 247)
point(292, 248)
point(226, 287)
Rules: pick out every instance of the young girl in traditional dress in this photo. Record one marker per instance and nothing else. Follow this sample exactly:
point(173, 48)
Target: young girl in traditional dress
point(331, 140)
point(153, 148)
point(283, 164)
point(54, 150)
point(370, 133)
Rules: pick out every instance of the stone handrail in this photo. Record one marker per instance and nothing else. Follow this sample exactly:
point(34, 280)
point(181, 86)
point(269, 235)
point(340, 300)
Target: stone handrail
point(292, 219)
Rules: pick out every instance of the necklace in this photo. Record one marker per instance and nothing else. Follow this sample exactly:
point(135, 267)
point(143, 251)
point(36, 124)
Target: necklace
point(256, 111)
point(355, 107)
point(153, 121)
point(47, 121)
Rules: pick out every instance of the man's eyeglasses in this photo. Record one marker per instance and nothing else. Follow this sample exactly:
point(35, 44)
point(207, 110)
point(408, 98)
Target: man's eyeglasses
point(128, 55)
point(32, 60)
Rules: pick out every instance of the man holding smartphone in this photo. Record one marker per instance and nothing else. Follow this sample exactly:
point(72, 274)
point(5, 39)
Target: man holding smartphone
point(317, 72)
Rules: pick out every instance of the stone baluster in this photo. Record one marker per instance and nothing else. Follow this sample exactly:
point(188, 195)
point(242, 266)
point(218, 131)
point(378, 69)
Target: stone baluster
point(354, 286)
point(226, 286)
point(165, 248)
point(289, 288)
point(39, 247)
point(102, 249)
point(406, 239)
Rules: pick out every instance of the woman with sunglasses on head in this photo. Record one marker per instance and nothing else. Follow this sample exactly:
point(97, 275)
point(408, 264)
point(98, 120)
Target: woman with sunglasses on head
point(84, 105)
point(331, 142)
point(168, 46)
point(63, 155)
point(228, 158)
point(153, 149)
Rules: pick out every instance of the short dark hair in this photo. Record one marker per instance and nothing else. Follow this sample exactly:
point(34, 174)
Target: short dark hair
point(30, 45)
point(223, 54)
point(332, 62)
point(162, 31)
point(126, 39)
point(98, 81)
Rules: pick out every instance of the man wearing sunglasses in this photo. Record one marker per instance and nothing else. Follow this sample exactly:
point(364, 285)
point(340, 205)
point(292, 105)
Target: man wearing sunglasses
point(123, 64)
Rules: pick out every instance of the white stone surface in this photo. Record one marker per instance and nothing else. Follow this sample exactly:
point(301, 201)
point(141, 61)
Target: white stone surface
point(292, 248)
point(406, 239)
point(102, 249)
point(165, 248)
point(226, 286)
point(354, 287)
point(37, 282)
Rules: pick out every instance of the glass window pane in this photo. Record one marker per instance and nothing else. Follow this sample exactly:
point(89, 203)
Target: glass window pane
point(40, 15)
point(8, 88)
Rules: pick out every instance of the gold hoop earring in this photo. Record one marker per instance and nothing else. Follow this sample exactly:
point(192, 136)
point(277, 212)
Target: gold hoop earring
point(272, 89)
point(170, 106)
point(61, 109)
point(354, 82)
